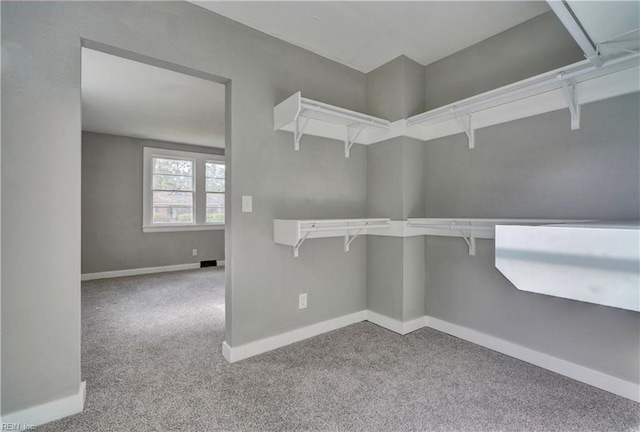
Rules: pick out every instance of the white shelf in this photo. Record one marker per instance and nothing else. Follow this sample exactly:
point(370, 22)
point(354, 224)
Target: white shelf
point(293, 232)
point(567, 87)
point(304, 116)
point(589, 262)
point(471, 229)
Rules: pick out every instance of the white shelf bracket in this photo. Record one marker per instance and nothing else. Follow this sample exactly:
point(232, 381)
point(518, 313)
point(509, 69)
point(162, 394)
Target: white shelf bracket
point(467, 236)
point(570, 94)
point(297, 134)
point(349, 142)
point(466, 127)
point(470, 240)
point(296, 248)
point(349, 239)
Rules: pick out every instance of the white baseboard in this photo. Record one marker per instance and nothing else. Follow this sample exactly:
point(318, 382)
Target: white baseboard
point(400, 327)
point(139, 271)
point(47, 412)
point(384, 321)
point(575, 371)
point(240, 352)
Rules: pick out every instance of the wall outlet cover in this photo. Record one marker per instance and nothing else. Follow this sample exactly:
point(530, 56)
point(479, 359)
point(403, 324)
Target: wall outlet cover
point(247, 203)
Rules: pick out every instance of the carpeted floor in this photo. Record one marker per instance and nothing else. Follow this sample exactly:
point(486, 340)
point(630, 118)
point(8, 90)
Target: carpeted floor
point(151, 358)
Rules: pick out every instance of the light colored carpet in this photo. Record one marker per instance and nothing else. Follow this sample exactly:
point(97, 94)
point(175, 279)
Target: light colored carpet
point(151, 358)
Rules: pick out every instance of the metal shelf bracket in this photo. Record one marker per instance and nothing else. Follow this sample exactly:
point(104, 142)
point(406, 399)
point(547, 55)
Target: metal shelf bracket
point(296, 248)
point(297, 134)
point(349, 142)
point(470, 240)
point(349, 239)
point(570, 94)
point(466, 127)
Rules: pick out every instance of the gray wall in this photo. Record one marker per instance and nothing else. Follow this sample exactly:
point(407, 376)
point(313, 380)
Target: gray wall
point(396, 89)
point(531, 48)
point(395, 269)
point(41, 145)
point(112, 237)
point(535, 168)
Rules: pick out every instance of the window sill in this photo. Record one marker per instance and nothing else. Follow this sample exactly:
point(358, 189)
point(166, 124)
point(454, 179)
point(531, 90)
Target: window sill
point(178, 228)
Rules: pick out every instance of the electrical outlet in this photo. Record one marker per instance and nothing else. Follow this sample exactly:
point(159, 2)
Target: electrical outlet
point(194, 252)
point(302, 301)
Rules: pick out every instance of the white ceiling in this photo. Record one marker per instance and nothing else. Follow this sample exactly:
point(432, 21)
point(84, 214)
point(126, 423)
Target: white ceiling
point(365, 35)
point(124, 97)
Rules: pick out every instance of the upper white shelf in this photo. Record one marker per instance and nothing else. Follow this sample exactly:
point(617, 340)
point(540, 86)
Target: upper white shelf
point(567, 87)
point(304, 116)
point(293, 232)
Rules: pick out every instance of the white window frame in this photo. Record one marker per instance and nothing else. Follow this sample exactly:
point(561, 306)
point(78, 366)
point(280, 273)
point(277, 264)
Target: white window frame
point(199, 190)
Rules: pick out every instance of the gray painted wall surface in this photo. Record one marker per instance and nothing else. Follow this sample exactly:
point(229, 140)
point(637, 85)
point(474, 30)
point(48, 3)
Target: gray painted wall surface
point(531, 48)
point(414, 278)
point(395, 90)
point(412, 178)
point(112, 237)
point(41, 153)
point(385, 276)
point(535, 168)
point(385, 166)
point(395, 189)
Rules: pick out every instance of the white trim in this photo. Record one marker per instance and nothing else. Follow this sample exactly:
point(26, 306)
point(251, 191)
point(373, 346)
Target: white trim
point(400, 327)
point(575, 371)
point(178, 228)
point(50, 411)
point(138, 271)
point(199, 189)
point(219, 263)
point(384, 321)
point(413, 325)
point(240, 352)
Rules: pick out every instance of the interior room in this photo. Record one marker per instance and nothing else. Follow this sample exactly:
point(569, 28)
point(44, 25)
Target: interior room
point(320, 215)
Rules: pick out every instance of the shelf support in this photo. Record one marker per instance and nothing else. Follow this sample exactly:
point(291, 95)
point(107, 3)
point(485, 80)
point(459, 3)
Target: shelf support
point(296, 248)
point(466, 127)
point(470, 240)
point(297, 134)
point(570, 94)
point(349, 239)
point(349, 142)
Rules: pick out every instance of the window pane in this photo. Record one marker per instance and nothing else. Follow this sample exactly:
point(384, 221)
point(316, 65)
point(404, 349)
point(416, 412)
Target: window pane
point(215, 170)
point(172, 166)
point(215, 200)
point(215, 185)
point(181, 199)
point(169, 182)
point(172, 214)
point(215, 214)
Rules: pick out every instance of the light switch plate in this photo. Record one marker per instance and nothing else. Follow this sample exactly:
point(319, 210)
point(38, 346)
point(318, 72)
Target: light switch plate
point(247, 203)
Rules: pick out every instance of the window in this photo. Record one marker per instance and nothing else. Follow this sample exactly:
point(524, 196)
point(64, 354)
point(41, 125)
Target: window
point(182, 191)
point(172, 187)
point(214, 181)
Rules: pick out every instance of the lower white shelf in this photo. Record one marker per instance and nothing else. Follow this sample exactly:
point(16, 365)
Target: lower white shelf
point(590, 262)
point(293, 232)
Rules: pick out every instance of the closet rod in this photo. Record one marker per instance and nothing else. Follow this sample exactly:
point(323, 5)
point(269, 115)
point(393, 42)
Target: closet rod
point(334, 112)
point(453, 227)
point(342, 227)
